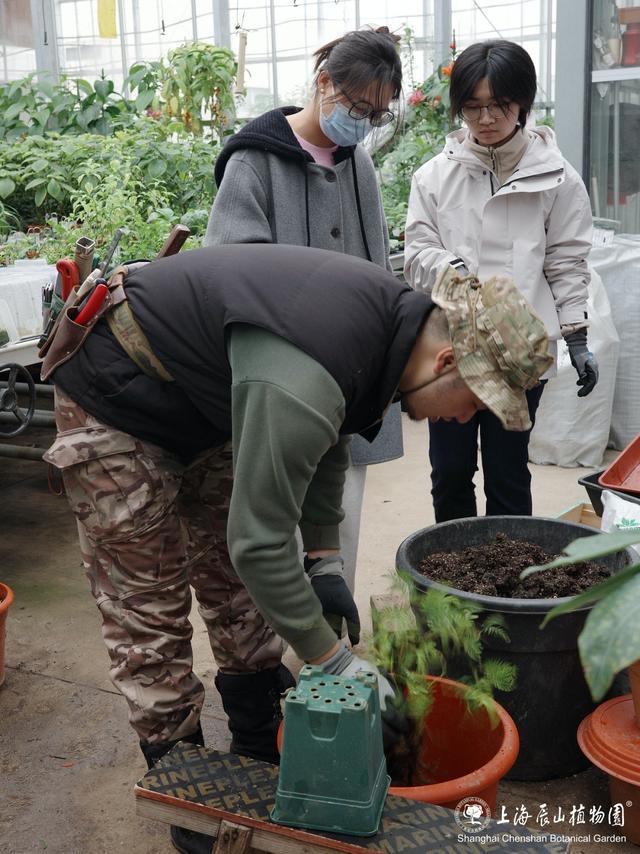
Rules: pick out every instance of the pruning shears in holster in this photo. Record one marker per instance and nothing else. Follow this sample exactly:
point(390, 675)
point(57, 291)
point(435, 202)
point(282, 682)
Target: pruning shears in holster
point(96, 298)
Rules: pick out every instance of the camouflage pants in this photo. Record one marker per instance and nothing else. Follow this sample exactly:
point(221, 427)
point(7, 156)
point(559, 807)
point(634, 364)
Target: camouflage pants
point(149, 529)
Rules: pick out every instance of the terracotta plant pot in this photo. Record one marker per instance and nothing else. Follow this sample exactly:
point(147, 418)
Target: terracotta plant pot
point(610, 738)
point(6, 598)
point(465, 755)
point(634, 681)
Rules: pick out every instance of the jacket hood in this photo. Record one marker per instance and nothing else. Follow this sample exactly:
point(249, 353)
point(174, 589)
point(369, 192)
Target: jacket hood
point(541, 155)
point(270, 132)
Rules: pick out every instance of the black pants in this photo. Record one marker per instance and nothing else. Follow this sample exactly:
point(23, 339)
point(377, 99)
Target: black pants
point(453, 452)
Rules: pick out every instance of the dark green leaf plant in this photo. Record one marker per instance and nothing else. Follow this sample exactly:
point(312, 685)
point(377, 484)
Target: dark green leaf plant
point(610, 639)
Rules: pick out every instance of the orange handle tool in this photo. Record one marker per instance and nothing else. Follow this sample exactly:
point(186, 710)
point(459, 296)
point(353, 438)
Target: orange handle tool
point(69, 276)
point(92, 305)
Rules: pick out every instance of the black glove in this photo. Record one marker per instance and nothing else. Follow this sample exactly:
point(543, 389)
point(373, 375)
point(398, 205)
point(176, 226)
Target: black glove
point(583, 361)
point(327, 580)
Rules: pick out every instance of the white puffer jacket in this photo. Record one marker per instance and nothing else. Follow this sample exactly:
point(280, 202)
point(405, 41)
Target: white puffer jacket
point(535, 228)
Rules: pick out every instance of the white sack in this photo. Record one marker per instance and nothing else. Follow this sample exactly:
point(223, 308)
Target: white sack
point(620, 515)
point(619, 268)
point(21, 297)
point(572, 430)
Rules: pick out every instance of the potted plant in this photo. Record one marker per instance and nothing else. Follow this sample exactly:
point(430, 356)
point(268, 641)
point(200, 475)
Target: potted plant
point(459, 742)
point(551, 696)
point(6, 598)
point(609, 643)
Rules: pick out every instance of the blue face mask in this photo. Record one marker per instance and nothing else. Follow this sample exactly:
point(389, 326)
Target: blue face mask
point(341, 129)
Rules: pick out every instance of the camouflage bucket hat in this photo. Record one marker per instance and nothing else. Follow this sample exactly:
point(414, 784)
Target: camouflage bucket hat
point(500, 343)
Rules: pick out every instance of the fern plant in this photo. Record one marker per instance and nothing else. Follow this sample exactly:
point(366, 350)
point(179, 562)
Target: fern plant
point(410, 643)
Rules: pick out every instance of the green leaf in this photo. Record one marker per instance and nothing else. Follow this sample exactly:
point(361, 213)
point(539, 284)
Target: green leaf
point(17, 131)
point(7, 187)
point(156, 168)
point(14, 110)
point(610, 640)
point(144, 99)
point(41, 194)
point(89, 183)
point(42, 117)
point(54, 189)
point(40, 165)
point(103, 126)
point(36, 182)
point(588, 548)
point(84, 85)
point(103, 88)
point(136, 73)
point(593, 594)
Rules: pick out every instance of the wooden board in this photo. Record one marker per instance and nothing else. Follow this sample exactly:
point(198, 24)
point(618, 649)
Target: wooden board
point(198, 788)
point(582, 513)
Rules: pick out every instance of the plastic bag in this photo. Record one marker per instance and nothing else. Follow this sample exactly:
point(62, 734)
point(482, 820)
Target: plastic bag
point(620, 515)
point(619, 268)
point(572, 430)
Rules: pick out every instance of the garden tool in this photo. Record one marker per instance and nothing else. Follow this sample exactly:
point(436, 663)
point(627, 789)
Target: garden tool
point(84, 256)
point(87, 302)
point(93, 303)
point(53, 299)
point(68, 277)
point(174, 243)
point(69, 284)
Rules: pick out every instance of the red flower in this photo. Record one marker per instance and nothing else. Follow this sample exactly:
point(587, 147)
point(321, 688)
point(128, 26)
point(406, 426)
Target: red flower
point(446, 69)
point(416, 97)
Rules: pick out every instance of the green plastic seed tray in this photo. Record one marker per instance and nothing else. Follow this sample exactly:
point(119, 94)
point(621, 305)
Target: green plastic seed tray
point(333, 774)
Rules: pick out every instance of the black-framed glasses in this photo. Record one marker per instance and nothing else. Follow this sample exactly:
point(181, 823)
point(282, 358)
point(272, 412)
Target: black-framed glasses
point(473, 112)
point(399, 395)
point(360, 110)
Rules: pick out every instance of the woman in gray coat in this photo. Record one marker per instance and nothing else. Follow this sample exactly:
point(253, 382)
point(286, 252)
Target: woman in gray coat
point(299, 176)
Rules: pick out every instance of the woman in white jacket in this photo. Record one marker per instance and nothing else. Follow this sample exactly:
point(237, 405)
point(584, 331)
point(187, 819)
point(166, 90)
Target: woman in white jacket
point(500, 200)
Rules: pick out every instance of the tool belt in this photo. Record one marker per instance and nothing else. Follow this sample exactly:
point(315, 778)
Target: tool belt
point(67, 336)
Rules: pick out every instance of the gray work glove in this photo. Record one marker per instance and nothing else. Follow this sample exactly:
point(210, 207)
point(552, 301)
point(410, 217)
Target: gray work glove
point(345, 663)
point(583, 361)
point(327, 580)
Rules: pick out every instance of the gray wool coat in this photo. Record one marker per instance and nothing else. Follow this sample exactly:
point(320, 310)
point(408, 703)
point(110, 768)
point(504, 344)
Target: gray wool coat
point(269, 197)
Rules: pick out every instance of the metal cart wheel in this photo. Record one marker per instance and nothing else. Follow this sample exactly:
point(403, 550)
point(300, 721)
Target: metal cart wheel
point(9, 398)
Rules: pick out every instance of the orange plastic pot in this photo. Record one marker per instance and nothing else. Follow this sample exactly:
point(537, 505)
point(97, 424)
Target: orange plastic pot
point(610, 738)
point(465, 754)
point(6, 598)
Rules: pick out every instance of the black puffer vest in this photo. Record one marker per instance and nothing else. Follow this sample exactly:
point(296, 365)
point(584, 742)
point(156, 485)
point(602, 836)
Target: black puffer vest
point(351, 316)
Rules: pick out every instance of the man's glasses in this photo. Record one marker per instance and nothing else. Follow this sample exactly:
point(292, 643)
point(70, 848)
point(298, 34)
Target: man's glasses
point(360, 110)
point(473, 113)
point(399, 395)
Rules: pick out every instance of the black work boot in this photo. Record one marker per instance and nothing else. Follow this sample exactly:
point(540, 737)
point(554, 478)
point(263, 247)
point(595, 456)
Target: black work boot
point(252, 704)
point(185, 841)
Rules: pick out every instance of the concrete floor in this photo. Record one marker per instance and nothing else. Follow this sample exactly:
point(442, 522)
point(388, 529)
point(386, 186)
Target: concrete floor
point(68, 759)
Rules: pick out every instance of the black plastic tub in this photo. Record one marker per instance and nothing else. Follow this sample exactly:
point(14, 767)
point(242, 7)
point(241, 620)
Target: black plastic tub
point(594, 491)
point(551, 696)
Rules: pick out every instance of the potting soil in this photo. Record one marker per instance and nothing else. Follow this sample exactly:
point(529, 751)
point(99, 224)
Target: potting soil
point(494, 569)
